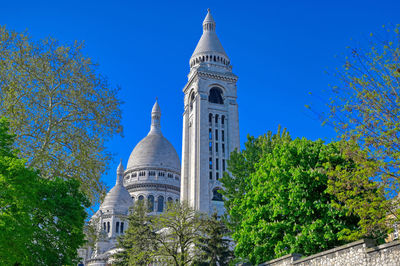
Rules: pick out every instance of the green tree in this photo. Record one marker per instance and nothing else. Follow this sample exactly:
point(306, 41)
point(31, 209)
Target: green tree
point(60, 108)
point(41, 220)
point(214, 245)
point(284, 206)
point(364, 110)
point(177, 229)
point(138, 242)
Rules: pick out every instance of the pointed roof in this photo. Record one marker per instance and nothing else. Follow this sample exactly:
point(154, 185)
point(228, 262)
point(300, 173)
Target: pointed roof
point(120, 171)
point(156, 107)
point(209, 42)
point(155, 119)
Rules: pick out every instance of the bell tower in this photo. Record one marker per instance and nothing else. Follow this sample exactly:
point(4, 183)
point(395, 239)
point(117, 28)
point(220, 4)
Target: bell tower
point(210, 122)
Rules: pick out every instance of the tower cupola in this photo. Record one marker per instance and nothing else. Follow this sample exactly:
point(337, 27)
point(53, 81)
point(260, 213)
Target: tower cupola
point(209, 49)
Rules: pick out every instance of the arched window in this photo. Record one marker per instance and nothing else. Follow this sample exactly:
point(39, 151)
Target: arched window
point(216, 195)
point(108, 227)
point(210, 118)
point(169, 200)
point(216, 119)
point(160, 206)
point(104, 226)
point(215, 96)
point(122, 227)
point(117, 227)
point(141, 197)
point(191, 101)
point(223, 120)
point(150, 203)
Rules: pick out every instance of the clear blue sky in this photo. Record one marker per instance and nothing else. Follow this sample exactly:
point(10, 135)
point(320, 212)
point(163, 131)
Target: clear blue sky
point(279, 50)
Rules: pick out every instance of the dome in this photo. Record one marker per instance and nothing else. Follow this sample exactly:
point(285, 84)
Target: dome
point(154, 150)
point(118, 199)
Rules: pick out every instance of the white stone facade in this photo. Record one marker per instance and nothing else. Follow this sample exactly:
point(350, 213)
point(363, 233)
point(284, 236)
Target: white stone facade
point(153, 173)
point(210, 122)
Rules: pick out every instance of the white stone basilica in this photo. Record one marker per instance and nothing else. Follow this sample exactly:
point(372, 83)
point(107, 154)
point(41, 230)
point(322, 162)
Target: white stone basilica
point(153, 172)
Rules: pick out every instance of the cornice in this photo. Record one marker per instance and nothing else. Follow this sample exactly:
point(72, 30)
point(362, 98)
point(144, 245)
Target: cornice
point(128, 171)
point(230, 77)
point(137, 186)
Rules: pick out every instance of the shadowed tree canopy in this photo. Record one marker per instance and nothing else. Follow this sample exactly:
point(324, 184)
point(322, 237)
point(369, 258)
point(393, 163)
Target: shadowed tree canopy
point(277, 198)
point(41, 220)
point(137, 244)
point(178, 229)
point(60, 108)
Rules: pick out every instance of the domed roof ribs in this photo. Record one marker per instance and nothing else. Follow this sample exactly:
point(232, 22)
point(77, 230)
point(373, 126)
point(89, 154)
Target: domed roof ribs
point(155, 119)
point(209, 42)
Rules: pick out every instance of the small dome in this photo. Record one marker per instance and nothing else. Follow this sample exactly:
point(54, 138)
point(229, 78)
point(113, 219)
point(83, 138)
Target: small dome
point(118, 199)
point(154, 150)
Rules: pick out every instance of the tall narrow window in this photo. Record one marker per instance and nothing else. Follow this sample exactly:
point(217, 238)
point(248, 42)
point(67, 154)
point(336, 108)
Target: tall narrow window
point(216, 134)
point(210, 162)
point(216, 119)
point(223, 120)
point(108, 227)
point(104, 226)
point(191, 101)
point(122, 227)
point(160, 204)
point(150, 203)
point(210, 146)
point(223, 135)
point(216, 147)
point(210, 134)
point(216, 164)
point(117, 227)
point(223, 148)
point(210, 118)
point(223, 165)
point(210, 175)
point(216, 175)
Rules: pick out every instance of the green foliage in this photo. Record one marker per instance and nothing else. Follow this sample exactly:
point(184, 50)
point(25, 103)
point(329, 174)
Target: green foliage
point(138, 242)
point(350, 181)
point(277, 198)
point(214, 244)
point(59, 108)
point(41, 220)
point(365, 110)
point(178, 230)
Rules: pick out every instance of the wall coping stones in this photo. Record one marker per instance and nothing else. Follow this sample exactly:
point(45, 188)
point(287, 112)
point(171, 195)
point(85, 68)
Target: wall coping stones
point(361, 251)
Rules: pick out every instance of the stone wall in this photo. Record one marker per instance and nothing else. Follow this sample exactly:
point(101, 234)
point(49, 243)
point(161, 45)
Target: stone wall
point(362, 252)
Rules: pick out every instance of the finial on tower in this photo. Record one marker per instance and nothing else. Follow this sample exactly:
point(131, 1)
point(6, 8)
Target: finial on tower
point(155, 119)
point(209, 23)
